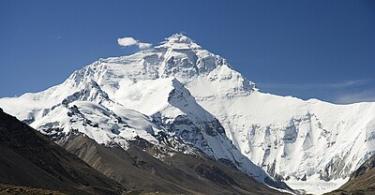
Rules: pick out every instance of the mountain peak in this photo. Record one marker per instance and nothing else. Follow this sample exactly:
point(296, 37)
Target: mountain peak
point(179, 41)
point(179, 38)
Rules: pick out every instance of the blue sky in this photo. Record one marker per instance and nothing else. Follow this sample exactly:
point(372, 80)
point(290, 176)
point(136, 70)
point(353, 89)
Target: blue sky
point(308, 49)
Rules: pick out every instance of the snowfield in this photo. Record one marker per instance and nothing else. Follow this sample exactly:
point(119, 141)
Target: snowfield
point(189, 94)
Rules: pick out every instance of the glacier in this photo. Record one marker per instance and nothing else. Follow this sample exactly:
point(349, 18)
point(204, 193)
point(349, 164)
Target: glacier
point(196, 98)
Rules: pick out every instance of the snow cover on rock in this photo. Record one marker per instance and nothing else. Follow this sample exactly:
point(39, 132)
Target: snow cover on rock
point(183, 90)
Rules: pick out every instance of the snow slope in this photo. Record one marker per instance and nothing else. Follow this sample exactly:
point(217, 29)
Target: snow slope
point(298, 140)
point(185, 91)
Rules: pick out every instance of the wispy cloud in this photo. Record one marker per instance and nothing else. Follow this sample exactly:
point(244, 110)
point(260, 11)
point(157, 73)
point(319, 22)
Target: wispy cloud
point(297, 86)
point(130, 41)
point(362, 96)
point(351, 83)
point(344, 92)
point(144, 45)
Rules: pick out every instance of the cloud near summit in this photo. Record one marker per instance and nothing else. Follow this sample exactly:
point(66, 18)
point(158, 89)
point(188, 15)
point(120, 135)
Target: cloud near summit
point(130, 41)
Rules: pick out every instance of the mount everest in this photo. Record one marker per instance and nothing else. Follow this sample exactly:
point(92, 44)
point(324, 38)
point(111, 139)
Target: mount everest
point(180, 96)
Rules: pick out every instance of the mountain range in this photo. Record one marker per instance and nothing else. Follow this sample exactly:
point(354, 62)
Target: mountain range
point(32, 164)
point(176, 111)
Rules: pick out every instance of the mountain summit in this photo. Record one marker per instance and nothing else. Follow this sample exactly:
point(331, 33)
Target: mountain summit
point(195, 100)
point(179, 41)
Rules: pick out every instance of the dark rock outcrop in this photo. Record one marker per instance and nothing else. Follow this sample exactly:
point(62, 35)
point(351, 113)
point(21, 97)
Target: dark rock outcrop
point(30, 159)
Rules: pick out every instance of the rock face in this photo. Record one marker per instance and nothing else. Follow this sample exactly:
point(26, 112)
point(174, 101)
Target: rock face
point(30, 159)
point(362, 181)
point(179, 95)
point(176, 173)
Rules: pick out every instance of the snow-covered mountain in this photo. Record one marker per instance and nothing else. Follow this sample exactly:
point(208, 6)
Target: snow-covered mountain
point(180, 92)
